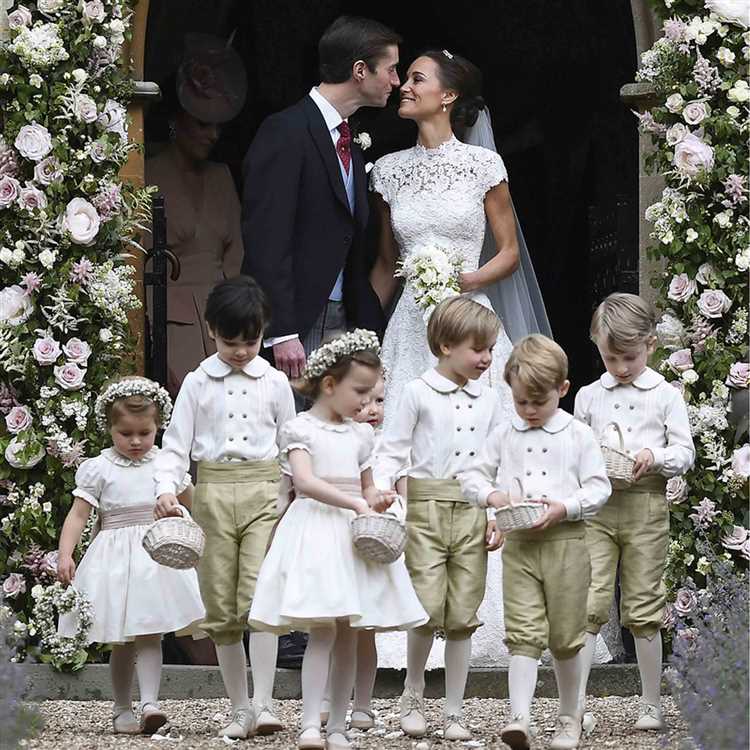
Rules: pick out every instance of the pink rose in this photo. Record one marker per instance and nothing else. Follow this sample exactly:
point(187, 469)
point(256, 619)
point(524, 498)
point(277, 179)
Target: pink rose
point(47, 171)
point(739, 375)
point(741, 461)
point(685, 602)
point(93, 11)
point(689, 635)
point(18, 419)
point(77, 351)
point(46, 351)
point(668, 619)
point(681, 288)
point(695, 112)
point(735, 539)
point(745, 551)
point(20, 17)
point(713, 303)
point(49, 564)
point(69, 376)
point(677, 490)
point(14, 585)
point(692, 156)
point(31, 198)
point(680, 360)
point(10, 189)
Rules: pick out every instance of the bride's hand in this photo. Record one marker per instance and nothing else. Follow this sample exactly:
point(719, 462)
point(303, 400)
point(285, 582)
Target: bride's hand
point(466, 282)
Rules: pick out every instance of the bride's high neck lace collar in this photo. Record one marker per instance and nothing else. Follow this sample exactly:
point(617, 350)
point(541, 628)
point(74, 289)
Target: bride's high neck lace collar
point(440, 149)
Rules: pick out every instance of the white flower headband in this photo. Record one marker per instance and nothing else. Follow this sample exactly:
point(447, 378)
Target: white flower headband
point(133, 387)
point(326, 356)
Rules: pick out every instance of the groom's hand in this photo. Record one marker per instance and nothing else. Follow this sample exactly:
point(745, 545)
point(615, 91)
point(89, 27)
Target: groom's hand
point(289, 357)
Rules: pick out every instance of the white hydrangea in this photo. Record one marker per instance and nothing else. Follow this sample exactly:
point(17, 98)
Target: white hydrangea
point(40, 47)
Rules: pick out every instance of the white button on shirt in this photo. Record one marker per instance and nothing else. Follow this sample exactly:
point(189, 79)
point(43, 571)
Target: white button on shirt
point(650, 413)
point(438, 429)
point(223, 414)
point(560, 461)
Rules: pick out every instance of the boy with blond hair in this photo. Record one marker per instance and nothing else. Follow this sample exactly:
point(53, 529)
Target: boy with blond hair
point(545, 568)
point(633, 529)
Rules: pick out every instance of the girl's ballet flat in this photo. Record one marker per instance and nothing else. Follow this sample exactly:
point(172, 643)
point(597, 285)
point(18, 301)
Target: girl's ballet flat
point(337, 741)
point(152, 718)
point(311, 742)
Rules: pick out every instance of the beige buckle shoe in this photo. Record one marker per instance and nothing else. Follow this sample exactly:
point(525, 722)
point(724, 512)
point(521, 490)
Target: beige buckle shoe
point(310, 739)
point(152, 718)
point(124, 721)
point(568, 734)
point(454, 730)
point(650, 719)
point(411, 712)
point(362, 718)
point(336, 739)
point(266, 722)
point(241, 726)
point(516, 734)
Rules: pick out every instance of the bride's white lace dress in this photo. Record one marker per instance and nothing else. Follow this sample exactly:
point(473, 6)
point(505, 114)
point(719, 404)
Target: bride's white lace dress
point(436, 198)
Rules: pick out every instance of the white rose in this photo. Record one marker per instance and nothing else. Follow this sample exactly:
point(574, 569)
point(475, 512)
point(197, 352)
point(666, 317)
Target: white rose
point(735, 538)
point(723, 219)
point(77, 351)
point(47, 258)
point(93, 11)
point(674, 103)
point(100, 42)
point(740, 92)
point(742, 260)
point(6, 256)
point(676, 133)
point(105, 335)
point(85, 108)
point(80, 76)
point(116, 26)
point(48, 7)
point(731, 11)
point(33, 141)
point(82, 221)
point(695, 112)
point(690, 376)
point(670, 331)
point(16, 446)
point(725, 56)
point(706, 274)
point(741, 461)
point(681, 288)
point(114, 119)
point(36, 80)
point(19, 256)
point(69, 376)
point(10, 189)
point(732, 111)
point(692, 155)
point(46, 350)
point(15, 306)
point(713, 303)
point(691, 235)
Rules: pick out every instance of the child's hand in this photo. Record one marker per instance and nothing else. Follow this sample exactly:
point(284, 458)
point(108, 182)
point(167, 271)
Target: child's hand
point(497, 499)
point(644, 460)
point(66, 569)
point(361, 507)
point(493, 537)
point(384, 500)
point(555, 513)
point(166, 505)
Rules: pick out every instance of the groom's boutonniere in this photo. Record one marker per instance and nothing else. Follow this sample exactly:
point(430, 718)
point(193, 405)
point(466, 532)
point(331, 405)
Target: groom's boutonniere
point(363, 140)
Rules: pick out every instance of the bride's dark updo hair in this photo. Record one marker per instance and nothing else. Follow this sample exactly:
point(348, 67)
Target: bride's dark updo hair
point(465, 78)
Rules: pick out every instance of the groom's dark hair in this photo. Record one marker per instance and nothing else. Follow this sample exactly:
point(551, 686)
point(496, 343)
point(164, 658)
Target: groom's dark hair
point(351, 38)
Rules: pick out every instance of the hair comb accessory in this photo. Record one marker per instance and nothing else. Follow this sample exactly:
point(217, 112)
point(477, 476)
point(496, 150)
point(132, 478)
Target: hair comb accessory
point(133, 387)
point(327, 355)
point(447, 54)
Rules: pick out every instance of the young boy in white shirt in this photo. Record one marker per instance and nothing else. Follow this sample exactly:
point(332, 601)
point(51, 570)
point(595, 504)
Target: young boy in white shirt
point(227, 417)
point(442, 420)
point(545, 568)
point(633, 529)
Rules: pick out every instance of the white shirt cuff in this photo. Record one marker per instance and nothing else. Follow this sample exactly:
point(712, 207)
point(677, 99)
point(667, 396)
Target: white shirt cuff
point(658, 454)
point(279, 340)
point(166, 488)
point(572, 509)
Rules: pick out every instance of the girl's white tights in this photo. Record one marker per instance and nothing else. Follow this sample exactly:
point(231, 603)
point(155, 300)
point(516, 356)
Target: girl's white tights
point(343, 665)
point(457, 658)
point(148, 661)
point(263, 648)
point(315, 666)
point(649, 653)
point(231, 658)
point(522, 674)
point(367, 667)
point(121, 668)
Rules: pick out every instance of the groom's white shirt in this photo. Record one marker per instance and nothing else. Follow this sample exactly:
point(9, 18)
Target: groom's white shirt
point(332, 119)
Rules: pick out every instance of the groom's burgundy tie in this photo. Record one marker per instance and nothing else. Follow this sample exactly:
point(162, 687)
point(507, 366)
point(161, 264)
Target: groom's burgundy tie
point(343, 145)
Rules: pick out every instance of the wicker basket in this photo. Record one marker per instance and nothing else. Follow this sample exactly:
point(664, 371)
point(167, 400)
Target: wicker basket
point(619, 464)
point(518, 514)
point(379, 537)
point(175, 541)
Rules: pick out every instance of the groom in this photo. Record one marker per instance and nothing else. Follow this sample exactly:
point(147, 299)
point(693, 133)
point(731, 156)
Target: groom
point(304, 208)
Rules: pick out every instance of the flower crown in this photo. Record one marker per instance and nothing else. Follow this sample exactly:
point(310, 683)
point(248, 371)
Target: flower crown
point(133, 387)
point(327, 355)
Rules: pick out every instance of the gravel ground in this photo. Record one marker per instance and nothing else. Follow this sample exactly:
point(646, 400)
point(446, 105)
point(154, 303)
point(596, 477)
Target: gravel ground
point(73, 725)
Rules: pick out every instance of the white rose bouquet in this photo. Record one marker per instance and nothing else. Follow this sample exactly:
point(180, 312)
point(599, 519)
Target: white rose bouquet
point(431, 275)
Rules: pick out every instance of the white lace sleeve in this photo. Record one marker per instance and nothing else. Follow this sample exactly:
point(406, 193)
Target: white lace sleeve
point(492, 171)
point(379, 182)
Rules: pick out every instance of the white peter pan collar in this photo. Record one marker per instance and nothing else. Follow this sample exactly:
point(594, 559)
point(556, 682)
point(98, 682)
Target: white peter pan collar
point(216, 368)
point(441, 384)
point(647, 380)
point(119, 460)
point(331, 426)
point(556, 423)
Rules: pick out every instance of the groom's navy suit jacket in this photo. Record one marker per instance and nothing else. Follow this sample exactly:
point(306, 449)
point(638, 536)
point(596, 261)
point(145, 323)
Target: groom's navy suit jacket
point(297, 227)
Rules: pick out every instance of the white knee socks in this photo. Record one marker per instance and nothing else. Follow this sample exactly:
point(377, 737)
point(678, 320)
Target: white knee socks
point(343, 663)
point(522, 674)
point(367, 667)
point(263, 648)
point(121, 668)
point(568, 678)
point(418, 645)
point(315, 665)
point(457, 657)
point(648, 651)
point(233, 669)
point(148, 667)
point(587, 658)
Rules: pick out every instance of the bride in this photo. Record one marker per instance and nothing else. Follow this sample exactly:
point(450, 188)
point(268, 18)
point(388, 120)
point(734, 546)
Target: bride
point(450, 193)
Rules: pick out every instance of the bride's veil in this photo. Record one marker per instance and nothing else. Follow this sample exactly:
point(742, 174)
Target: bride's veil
point(516, 299)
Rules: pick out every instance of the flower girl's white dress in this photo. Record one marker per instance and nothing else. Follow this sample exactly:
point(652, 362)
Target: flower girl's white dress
point(312, 574)
point(130, 594)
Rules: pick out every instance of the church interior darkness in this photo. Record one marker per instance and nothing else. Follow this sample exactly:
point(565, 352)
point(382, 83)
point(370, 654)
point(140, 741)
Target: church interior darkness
point(552, 74)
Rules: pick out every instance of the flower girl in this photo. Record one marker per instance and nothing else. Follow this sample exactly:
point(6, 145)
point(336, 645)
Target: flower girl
point(134, 599)
point(312, 578)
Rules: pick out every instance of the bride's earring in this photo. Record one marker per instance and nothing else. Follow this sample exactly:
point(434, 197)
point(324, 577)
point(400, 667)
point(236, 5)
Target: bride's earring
point(445, 108)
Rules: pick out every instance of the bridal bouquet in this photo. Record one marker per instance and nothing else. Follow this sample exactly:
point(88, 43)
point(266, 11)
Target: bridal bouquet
point(431, 273)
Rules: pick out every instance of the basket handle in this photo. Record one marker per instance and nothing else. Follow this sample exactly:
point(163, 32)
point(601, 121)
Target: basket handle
point(619, 434)
point(397, 514)
point(184, 512)
point(515, 483)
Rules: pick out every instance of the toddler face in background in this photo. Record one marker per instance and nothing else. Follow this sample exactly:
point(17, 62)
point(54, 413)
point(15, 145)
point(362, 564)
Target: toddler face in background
point(373, 412)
